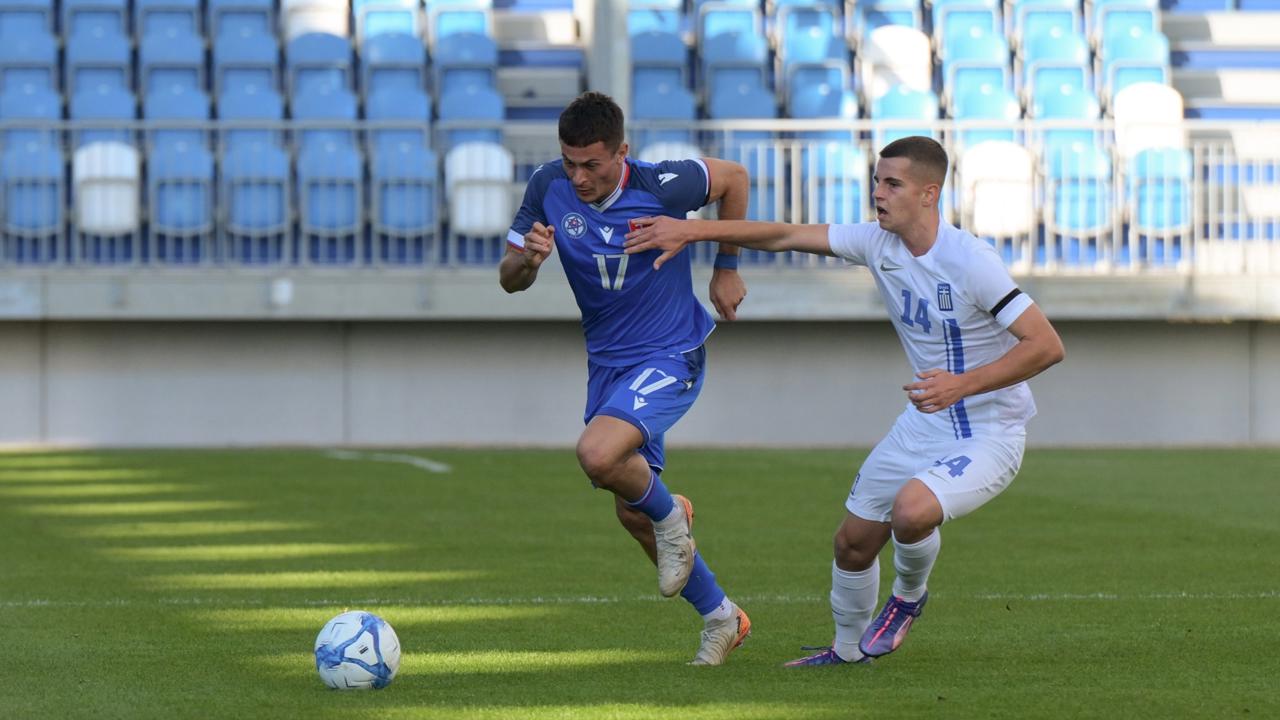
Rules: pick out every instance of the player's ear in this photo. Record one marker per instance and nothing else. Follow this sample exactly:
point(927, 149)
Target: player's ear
point(622, 150)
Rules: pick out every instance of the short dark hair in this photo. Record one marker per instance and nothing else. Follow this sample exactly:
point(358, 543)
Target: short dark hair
point(591, 118)
point(923, 152)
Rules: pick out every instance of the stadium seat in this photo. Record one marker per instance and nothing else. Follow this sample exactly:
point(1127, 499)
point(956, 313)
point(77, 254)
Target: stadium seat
point(21, 18)
point(167, 17)
point(1147, 115)
point(715, 18)
point(1158, 186)
point(387, 17)
point(975, 59)
point(666, 16)
point(464, 60)
point(476, 112)
point(1029, 18)
point(1133, 57)
point(808, 48)
point(870, 16)
point(756, 150)
point(1054, 58)
point(94, 17)
point(892, 56)
point(256, 111)
point(478, 177)
point(30, 59)
point(998, 196)
point(904, 103)
point(255, 196)
point(181, 106)
point(657, 152)
point(35, 103)
point(242, 17)
point(34, 188)
point(450, 17)
point(733, 59)
point(405, 188)
point(103, 103)
point(1067, 103)
point(170, 60)
point(987, 104)
point(795, 26)
point(330, 202)
point(658, 58)
point(834, 174)
point(314, 17)
point(1108, 17)
point(317, 60)
point(106, 198)
point(180, 202)
point(670, 104)
point(957, 18)
point(821, 91)
point(392, 62)
point(1079, 201)
point(242, 60)
point(325, 104)
point(98, 58)
point(398, 117)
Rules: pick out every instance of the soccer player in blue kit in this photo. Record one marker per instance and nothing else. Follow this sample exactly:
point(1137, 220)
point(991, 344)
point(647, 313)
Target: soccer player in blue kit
point(972, 338)
point(644, 330)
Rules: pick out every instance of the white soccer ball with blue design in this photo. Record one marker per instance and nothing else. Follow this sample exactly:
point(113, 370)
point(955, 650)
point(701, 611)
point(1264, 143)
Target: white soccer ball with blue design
point(357, 650)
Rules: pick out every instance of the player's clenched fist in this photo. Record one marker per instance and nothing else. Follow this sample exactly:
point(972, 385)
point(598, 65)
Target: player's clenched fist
point(537, 244)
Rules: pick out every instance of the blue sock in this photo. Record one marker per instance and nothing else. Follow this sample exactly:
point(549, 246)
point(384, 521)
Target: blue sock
point(702, 591)
point(656, 501)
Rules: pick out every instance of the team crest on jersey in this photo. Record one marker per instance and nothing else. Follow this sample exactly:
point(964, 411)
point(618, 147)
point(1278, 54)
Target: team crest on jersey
point(944, 296)
point(574, 225)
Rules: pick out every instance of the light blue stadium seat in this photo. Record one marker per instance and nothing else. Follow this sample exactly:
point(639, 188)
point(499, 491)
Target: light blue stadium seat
point(1107, 17)
point(98, 58)
point(391, 62)
point(103, 103)
point(19, 18)
point(655, 16)
point(658, 58)
point(821, 90)
point(36, 103)
point(90, 16)
point(835, 175)
point(869, 15)
point(387, 17)
point(242, 60)
point(398, 117)
point(30, 59)
point(731, 59)
point(1055, 58)
point(715, 18)
point(325, 104)
point(254, 192)
point(482, 108)
point(330, 203)
point(316, 60)
point(800, 23)
point(987, 103)
point(180, 202)
point(259, 107)
point(1029, 18)
point(34, 192)
point(241, 17)
point(810, 46)
point(172, 17)
point(464, 60)
point(1159, 190)
point(975, 59)
point(754, 149)
point(1133, 57)
point(903, 103)
point(956, 18)
point(405, 188)
point(170, 60)
point(180, 106)
point(450, 17)
point(1080, 198)
point(663, 103)
point(1066, 103)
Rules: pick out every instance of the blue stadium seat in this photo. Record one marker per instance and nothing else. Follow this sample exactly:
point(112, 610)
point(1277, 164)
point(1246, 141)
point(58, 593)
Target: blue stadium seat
point(242, 17)
point(811, 46)
point(170, 60)
point(1029, 18)
point(666, 16)
point(93, 16)
point(405, 188)
point(318, 60)
point(869, 15)
point(36, 103)
point(463, 60)
point(1067, 103)
point(30, 59)
point(398, 117)
point(254, 192)
point(375, 18)
point(98, 58)
point(732, 59)
point(835, 174)
point(903, 103)
point(1159, 190)
point(658, 58)
point(180, 202)
point(483, 107)
point(325, 104)
point(34, 192)
point(330, 206)
point(103, 103)
point(956, 18)
point(1134, 57)
point(975, 59)
point(450, 17)
point(170, 17)
point(797, 24)
point(391, 62)
point(179, 105)
point(987, 103)
point(664, 104)
point(715, 18)
point(1107, 17)
point(255, 106)
point(1080, 200)
point(242, 60)
point(754, 149)
point(19, 18)
point(1055, 58)
point(821, 90)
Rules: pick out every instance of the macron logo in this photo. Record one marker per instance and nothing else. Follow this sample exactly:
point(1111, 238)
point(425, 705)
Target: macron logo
point(665, 178)
point(607, 234)
point(639, 403)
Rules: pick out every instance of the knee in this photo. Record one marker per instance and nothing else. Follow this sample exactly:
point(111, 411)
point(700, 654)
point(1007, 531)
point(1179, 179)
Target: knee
point(851, 557)
point(597, 461)
point(915, 516)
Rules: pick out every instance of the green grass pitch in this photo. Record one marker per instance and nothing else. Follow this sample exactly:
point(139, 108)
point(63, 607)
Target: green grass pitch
point(184, 584)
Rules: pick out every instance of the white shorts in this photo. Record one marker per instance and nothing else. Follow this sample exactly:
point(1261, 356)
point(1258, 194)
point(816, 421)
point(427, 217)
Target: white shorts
point(963, 474)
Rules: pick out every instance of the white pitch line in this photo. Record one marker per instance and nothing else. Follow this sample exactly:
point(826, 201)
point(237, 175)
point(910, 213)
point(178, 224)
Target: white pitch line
point(605, 600)
point(420, 463)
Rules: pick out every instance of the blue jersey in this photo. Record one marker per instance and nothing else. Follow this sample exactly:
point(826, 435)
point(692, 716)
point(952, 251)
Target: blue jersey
point(629, 311)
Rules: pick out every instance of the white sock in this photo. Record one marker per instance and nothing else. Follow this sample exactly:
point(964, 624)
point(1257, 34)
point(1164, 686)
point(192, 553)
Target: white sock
point(723, 611)
point(853, 603)
point(913, 563)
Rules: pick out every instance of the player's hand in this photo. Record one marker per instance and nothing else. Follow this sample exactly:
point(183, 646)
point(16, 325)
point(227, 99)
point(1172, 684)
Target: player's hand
point(935, 390)
point(657, 233)
point(727, 291)
point(537, 245)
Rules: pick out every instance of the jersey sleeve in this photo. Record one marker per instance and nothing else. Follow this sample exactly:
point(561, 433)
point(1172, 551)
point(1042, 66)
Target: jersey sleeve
point(853, 242)
point(531, 209)
point(994, 290)
point(683, 185)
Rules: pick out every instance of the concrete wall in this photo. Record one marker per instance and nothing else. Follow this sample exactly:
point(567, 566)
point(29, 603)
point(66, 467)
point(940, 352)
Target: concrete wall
point(467, 383)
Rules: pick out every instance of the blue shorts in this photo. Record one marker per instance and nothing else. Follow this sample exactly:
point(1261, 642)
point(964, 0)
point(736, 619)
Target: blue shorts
point(652, 395)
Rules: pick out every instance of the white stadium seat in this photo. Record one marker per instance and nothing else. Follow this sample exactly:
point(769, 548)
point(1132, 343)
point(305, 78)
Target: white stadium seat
point(996, 179)
point(1148, 115)
point(105, 178)
point(300, 17)
point(478, 178)
point(895, 55)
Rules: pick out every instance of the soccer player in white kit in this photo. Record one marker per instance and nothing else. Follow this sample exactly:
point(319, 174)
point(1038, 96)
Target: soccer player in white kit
point(972, 338)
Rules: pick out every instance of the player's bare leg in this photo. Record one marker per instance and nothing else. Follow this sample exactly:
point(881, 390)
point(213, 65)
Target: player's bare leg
point(916, 542)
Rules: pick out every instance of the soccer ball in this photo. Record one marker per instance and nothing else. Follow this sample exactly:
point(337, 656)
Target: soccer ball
point(357, 650)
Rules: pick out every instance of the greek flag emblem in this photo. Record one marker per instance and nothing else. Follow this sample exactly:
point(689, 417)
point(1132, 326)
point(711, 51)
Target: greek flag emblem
point(944, 296)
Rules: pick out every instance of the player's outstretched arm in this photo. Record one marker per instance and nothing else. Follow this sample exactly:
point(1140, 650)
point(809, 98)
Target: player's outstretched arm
point(519, 267)
point(730, 187)
point(670, 235)
point(1038, 348)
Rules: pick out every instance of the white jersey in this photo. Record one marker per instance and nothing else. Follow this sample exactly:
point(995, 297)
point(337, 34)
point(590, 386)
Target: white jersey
point(952, 308)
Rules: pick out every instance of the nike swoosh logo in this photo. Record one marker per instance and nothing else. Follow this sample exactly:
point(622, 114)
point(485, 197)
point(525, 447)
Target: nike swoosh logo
point(886, 267)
